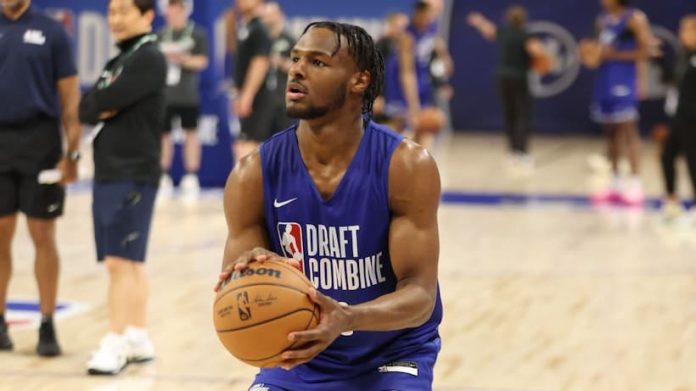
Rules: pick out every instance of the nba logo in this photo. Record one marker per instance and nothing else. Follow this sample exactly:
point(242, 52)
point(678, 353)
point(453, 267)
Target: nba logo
point(290, 235)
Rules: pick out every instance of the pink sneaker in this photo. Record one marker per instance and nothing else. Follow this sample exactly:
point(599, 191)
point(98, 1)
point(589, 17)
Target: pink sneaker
point(633, 195)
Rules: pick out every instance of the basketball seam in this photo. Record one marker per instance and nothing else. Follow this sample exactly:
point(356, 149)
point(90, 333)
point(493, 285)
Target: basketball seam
point(257, 284)
point(266, 321)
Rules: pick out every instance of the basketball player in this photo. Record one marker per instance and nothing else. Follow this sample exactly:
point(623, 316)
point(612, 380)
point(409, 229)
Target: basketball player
point(30, 142)
point(369, 229)
point(682, 138)
point(624, 39)
point(129, 99)
point(408, 86)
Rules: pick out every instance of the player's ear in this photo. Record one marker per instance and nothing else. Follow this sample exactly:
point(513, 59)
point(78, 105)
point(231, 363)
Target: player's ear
point(359, 82)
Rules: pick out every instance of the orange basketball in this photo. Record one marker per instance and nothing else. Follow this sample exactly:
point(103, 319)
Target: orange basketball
point(257, 309)
point(430, 120)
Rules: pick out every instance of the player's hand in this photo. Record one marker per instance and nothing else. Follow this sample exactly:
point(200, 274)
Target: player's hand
point(68, 168)
point(334, 318)
point(258, 254)
point(107, 114)
point(474, 18)
point(243, 106)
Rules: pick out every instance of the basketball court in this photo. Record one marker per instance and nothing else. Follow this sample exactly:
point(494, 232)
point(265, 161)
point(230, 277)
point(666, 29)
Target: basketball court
point(542, 292)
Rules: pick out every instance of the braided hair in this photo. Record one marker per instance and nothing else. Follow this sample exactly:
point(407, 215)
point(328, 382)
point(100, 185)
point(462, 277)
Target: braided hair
point(366, 56)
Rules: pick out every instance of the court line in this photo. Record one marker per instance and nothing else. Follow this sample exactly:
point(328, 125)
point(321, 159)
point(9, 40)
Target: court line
point(126, 376)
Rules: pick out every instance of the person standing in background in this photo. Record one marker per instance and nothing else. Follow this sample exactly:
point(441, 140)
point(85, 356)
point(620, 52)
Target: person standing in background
point(394, 25)
point(185, 46)
point(37, 71)
point(281, 45)
point(682, 138)
point(624, 39)
point(128, 101)
point(252, 103)
point(516, 49)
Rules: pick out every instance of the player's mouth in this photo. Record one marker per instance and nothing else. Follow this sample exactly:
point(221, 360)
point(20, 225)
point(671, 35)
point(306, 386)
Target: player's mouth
point(295, 91)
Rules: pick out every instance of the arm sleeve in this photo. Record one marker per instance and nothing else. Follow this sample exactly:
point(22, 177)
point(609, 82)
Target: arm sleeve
point(200, 39)
point(145, 74)
point(62, 54)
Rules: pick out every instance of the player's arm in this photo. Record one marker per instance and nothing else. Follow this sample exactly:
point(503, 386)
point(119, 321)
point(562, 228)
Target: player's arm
point(69, 95)
point(145, 75)
point(407, 74)
point(198, 60)
point(444, 55)
point(255, 74)
point(414, 251)
point(638, 23)
point(484, 26)
point(247, 240)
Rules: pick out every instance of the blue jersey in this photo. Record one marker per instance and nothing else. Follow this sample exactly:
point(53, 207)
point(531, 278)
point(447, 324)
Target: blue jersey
point(342, 243)
point(423, 47)
point(617, 80)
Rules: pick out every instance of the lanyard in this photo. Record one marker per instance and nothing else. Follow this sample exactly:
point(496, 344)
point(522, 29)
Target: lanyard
point(107, 76)
point(168, 35)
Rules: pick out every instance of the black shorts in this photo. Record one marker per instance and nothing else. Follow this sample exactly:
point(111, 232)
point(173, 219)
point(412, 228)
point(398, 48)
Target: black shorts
point(187, 114)
point(257, 126)
point(122, 213)
point(25, 150)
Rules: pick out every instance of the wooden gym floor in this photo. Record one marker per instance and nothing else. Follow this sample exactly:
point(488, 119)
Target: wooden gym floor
point(539, 296)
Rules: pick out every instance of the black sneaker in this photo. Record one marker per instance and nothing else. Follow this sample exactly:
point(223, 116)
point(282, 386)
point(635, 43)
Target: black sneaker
point(48, 344)
point(5, 341)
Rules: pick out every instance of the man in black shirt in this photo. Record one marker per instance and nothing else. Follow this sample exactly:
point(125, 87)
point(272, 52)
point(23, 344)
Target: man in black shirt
point(129, 100)
point(277, 79)
point(682, 138)
point(30, 142)
point(251, 100)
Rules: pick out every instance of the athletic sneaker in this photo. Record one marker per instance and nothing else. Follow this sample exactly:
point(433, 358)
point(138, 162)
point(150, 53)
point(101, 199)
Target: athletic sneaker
point(111, 357)
point(166, 188)
point(5, 341)
point(633, 193)
point(190, 188)
point(139, 346)
point(671, 210)
point(48, 344)
point(608, 193)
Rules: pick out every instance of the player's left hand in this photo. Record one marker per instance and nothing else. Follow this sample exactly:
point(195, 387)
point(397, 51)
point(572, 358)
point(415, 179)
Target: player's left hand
point(334, 318)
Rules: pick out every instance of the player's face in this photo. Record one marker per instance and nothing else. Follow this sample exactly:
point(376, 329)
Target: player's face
point(422, 19)
point(176, 15)
point(687, 33)
point(126, 21)
point(609, 4)
point(318, 80)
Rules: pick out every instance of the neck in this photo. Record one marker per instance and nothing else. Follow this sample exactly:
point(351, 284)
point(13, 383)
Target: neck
point(615, 10)
point(14, 13)
point(330, 138)
point(249, 15)
point(179, 26)
point(135, 35)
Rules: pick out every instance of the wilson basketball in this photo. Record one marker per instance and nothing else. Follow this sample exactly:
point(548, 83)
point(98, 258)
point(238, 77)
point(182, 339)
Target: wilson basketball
point(430, 120)
point(257, 309)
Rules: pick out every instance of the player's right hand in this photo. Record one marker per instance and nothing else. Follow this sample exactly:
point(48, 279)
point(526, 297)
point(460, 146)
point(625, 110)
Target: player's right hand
point(258, 254)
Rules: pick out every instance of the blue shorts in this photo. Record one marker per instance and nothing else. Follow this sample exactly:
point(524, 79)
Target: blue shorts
point(122, 213)
point(612, 112)
point(409, 373)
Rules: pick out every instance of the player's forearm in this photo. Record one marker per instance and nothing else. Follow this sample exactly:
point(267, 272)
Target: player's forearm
point(629, 55)
point(410, 87)
point(255, 76)
point(195, 63)
point(409, 306)
point(73, 130)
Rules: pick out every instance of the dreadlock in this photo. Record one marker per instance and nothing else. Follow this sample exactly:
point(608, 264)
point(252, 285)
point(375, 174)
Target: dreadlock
point(366, 56)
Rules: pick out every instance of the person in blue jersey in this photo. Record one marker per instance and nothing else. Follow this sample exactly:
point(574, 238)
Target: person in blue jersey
point(408, 85)
point(361, 203)
point(624, 40)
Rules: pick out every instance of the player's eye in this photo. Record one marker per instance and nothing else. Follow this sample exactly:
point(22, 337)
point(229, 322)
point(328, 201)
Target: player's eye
point(295, 59)
point(318, 63)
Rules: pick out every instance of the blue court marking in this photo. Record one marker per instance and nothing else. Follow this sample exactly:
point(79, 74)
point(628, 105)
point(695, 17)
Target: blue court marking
point(32, 306)
point(531, 199)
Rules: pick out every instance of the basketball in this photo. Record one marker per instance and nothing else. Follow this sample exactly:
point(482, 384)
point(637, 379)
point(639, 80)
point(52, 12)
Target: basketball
point(430, 120)
point(542, 64)
point(257, 309)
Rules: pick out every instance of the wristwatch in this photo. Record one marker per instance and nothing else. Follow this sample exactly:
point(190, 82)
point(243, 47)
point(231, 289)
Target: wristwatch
point(73, 156)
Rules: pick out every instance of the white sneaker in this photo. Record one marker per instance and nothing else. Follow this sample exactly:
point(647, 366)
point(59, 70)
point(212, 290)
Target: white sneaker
point(633, 193)
point(139, 346)
point(671, 210)
point(110, 359)
point(190, 188)
point(166, 188)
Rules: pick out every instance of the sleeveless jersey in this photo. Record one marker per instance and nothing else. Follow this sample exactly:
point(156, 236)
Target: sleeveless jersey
point(617, 80)
point(342, 244)
point(423, 47)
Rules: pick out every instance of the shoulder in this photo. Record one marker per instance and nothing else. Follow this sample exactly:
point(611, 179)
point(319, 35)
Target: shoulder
point(151, 53)
point(410, 158)
point(638, 18)
point(247, 173)
point(414, 179)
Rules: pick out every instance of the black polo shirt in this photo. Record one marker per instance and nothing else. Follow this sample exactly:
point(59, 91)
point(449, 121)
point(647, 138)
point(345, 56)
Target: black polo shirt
point(252, 40)
point(35, 52)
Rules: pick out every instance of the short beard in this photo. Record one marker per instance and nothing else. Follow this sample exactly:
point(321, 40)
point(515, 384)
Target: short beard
point(314, 112)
